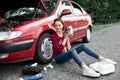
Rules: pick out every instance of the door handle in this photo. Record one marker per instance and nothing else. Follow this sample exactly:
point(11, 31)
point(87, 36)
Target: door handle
point(74, 21)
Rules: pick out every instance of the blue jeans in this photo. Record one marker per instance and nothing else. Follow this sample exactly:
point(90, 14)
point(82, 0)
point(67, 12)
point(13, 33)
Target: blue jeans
point(74, 54)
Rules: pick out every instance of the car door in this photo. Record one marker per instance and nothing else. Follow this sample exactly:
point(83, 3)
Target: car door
point(81, 21)
point(70, 19)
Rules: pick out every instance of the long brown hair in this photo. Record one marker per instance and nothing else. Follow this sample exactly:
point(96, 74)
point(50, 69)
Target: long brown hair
point(59, 19)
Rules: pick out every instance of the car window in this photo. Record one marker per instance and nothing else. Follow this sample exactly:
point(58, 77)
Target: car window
point(76, 9)
point(50, 4)
point(65, 5)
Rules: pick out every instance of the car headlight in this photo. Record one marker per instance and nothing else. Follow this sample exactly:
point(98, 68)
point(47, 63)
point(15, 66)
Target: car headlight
point(9, 35)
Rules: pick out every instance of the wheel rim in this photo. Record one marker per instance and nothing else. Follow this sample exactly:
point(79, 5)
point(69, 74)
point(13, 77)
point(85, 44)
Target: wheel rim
point(88, 34)
point(46, 48)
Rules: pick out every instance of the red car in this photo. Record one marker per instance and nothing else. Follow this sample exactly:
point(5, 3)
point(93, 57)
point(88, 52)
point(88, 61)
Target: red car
point(26, 26)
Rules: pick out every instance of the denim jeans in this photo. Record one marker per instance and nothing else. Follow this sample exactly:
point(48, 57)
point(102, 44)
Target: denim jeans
point(74, 54)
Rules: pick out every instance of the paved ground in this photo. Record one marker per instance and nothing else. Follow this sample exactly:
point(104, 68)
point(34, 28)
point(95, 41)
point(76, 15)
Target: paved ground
point(105, 42)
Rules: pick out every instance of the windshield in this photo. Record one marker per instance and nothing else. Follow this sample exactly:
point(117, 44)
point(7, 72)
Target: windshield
point(33, 8)
point(10, 5)
point(25, 12)
point(17, 12)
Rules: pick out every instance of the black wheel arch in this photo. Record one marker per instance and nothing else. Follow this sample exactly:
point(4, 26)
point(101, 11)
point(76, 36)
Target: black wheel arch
point(35, 55)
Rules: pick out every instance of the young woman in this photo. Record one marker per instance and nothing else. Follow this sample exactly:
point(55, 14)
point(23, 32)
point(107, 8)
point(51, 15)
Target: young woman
point(62, 51)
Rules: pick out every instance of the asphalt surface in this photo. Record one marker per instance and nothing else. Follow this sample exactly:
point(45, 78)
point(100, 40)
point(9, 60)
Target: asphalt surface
point(105, 42)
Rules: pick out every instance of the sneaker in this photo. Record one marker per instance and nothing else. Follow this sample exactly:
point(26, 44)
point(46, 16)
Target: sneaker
point(90, 73)
point(110, 61)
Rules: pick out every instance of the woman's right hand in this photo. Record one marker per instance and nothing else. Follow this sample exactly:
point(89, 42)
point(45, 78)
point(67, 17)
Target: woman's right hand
point(68, 35)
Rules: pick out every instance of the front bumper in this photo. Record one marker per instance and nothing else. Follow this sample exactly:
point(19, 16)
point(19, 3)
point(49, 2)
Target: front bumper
point(16, 47)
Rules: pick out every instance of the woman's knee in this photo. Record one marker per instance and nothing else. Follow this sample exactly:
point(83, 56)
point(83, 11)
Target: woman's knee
point(73, 51)
point(84, 46)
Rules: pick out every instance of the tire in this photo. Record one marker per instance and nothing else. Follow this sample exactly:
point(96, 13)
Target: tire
point(87, 38)
point(44, 49)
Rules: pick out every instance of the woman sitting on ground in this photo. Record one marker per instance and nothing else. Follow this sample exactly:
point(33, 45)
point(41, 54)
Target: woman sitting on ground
point(62, 51)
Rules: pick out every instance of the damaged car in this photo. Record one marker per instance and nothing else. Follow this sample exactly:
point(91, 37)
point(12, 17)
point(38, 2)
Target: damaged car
point(26, 27)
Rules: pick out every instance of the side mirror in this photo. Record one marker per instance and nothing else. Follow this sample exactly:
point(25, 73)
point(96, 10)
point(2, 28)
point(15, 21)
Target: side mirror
point(65, 12)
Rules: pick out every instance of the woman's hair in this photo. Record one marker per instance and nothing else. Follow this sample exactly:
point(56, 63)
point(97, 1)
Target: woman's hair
point(60, 20)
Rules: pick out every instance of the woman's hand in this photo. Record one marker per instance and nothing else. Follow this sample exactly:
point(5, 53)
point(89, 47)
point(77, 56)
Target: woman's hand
point(68, 35)
point(66, 38)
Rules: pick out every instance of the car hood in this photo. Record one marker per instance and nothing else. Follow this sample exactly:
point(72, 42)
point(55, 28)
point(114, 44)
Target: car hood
point(17, 20)
point(17, 12)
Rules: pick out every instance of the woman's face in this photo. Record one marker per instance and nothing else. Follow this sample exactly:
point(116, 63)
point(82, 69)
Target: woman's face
point(58, 26)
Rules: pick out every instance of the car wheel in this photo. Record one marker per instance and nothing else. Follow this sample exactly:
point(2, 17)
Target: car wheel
point(87, 38)
point(44, 49)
